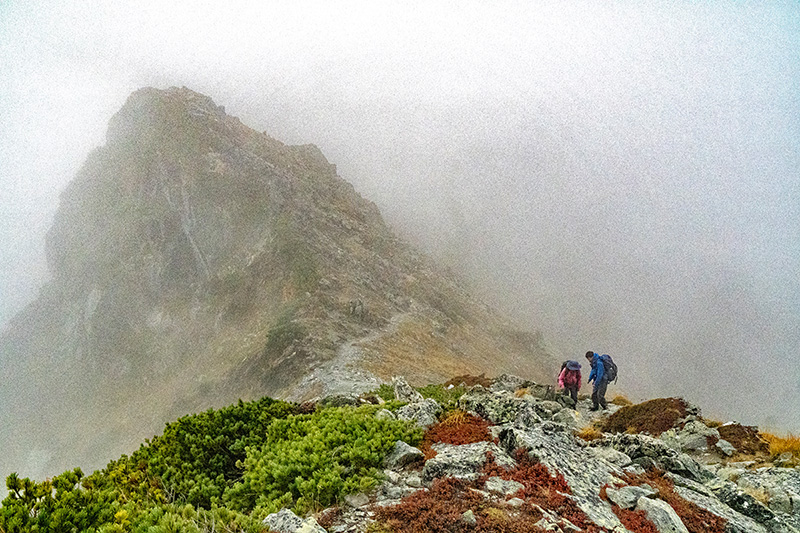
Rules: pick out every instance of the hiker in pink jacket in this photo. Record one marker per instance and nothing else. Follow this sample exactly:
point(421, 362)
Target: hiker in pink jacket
point(570, 379)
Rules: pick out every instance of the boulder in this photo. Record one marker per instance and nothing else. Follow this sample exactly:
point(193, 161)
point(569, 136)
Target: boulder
point(463, 461)
point(662, 515)
point(569, 417)
point(737, 522)
point(627, 497)
point(496, 407)
point(554, 446)
point(611, 455)
point(424, 414)
point(404, 392)
point(503, 486)
point(401, 455)
point(725, 448)
point(285, 521)
point(508, 383)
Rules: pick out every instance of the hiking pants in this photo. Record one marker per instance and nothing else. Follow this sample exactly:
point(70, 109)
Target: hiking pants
point(572, 391)
point(599, 394)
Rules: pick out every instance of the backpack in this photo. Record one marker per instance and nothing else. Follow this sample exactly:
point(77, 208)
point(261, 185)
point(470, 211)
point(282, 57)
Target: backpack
point(609, 367)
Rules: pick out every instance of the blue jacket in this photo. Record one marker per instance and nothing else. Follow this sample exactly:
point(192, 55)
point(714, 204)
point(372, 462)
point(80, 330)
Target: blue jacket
point(598, 370)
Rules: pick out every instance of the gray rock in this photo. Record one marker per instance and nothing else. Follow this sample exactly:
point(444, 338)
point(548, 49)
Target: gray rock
point(650, 452)
point(680, 481)
point(527, 417)
point(385, 414)
point(611, 455)
point(469, 518)
point(735, 498)
point(558, 450)
point(508, 383)
point(424, 414)
point(779, 487)
point(285, 521)
point(543, 392)
point(404, 392)
point(662, 515)
point(496, 407)
point(569, 417)
point(463, 461)
point(401, 455)
point(725, 447)
point(549, 407)
point(515, 502)
point(627, 497)
point(356, 500)
point(503, 486)
point(737, 522)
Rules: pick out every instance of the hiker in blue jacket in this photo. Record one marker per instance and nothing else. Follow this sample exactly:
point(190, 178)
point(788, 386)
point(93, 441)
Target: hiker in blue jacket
point(598, 375)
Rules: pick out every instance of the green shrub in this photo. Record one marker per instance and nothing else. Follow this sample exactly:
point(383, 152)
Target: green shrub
point(311, 461)
point(195, 460)
point(447, 398)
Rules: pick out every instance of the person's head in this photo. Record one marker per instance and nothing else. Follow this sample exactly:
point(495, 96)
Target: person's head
point(589, 355)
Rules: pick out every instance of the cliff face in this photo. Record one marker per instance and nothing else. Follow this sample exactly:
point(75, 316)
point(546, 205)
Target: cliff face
point(195, 261)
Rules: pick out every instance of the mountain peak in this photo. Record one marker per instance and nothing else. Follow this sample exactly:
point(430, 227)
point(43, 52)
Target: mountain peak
point(196, 261)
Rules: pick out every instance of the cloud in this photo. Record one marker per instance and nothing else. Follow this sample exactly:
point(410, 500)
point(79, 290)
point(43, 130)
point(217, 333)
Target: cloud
point(622, 177)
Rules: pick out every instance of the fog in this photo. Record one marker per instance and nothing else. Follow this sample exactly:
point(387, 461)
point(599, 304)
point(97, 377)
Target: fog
point(621, 176)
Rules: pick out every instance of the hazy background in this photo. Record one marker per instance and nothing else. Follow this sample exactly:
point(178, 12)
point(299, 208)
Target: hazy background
point(623, 177)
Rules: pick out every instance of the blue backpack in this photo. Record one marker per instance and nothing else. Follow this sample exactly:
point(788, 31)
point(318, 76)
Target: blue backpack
point(609, 367)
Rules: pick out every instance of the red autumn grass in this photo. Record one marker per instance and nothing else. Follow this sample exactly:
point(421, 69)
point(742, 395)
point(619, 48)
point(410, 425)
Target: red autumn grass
point(653, 416)
point(746, 439)
point(695, 518)
point(550, 492)
point(439, 510)
point(457, 427)
point(635, 521)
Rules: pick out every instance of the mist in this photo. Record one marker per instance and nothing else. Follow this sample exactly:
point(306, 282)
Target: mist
point(622, 177)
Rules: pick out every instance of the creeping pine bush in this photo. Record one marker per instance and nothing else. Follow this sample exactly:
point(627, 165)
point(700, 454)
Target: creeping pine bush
point(195, 460)
point(308, 462)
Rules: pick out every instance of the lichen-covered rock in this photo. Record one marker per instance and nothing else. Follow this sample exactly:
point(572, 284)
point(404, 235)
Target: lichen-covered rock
point(285, 521)
point(569, 417)
point(725, 448)
point(662, 515)
point(401, 455)
point(734, 497)
point(424, 414)
point(508, 383)
point(779, 488)
point(737, 522)
point(404, 392)
point(496, 407)
point(627, 497)
point(463, 461)
point(503, 486)
point(651, 452)
point(555, 447)
point(611, 455)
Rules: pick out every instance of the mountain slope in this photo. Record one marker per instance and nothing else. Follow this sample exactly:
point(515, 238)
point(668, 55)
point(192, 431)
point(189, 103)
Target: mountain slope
point(195, 261)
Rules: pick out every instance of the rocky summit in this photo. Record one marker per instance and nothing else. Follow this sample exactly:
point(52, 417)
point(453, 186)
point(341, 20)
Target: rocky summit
point(195, 261)
point(508, 455)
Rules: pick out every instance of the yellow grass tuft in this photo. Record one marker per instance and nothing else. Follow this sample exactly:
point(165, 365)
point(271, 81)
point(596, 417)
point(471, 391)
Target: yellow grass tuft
point(779, 445)
point(589, 434)
point(519, 393)
point(621, 399)
point(455, 418)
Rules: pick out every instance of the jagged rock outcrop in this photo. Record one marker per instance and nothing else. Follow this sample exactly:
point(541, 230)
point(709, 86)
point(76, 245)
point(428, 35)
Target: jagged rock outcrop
point(598, 474)
point(195, 261)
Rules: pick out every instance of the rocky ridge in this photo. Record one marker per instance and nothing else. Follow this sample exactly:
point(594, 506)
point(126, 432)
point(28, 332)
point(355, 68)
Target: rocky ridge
point(669, 484)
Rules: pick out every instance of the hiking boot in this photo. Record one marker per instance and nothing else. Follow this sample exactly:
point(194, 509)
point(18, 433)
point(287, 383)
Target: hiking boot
point(594, 408)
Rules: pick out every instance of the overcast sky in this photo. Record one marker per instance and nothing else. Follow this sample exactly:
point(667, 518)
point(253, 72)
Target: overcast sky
point(622, 176)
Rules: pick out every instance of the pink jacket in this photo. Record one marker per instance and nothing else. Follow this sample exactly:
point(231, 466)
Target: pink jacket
point(569, 378)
